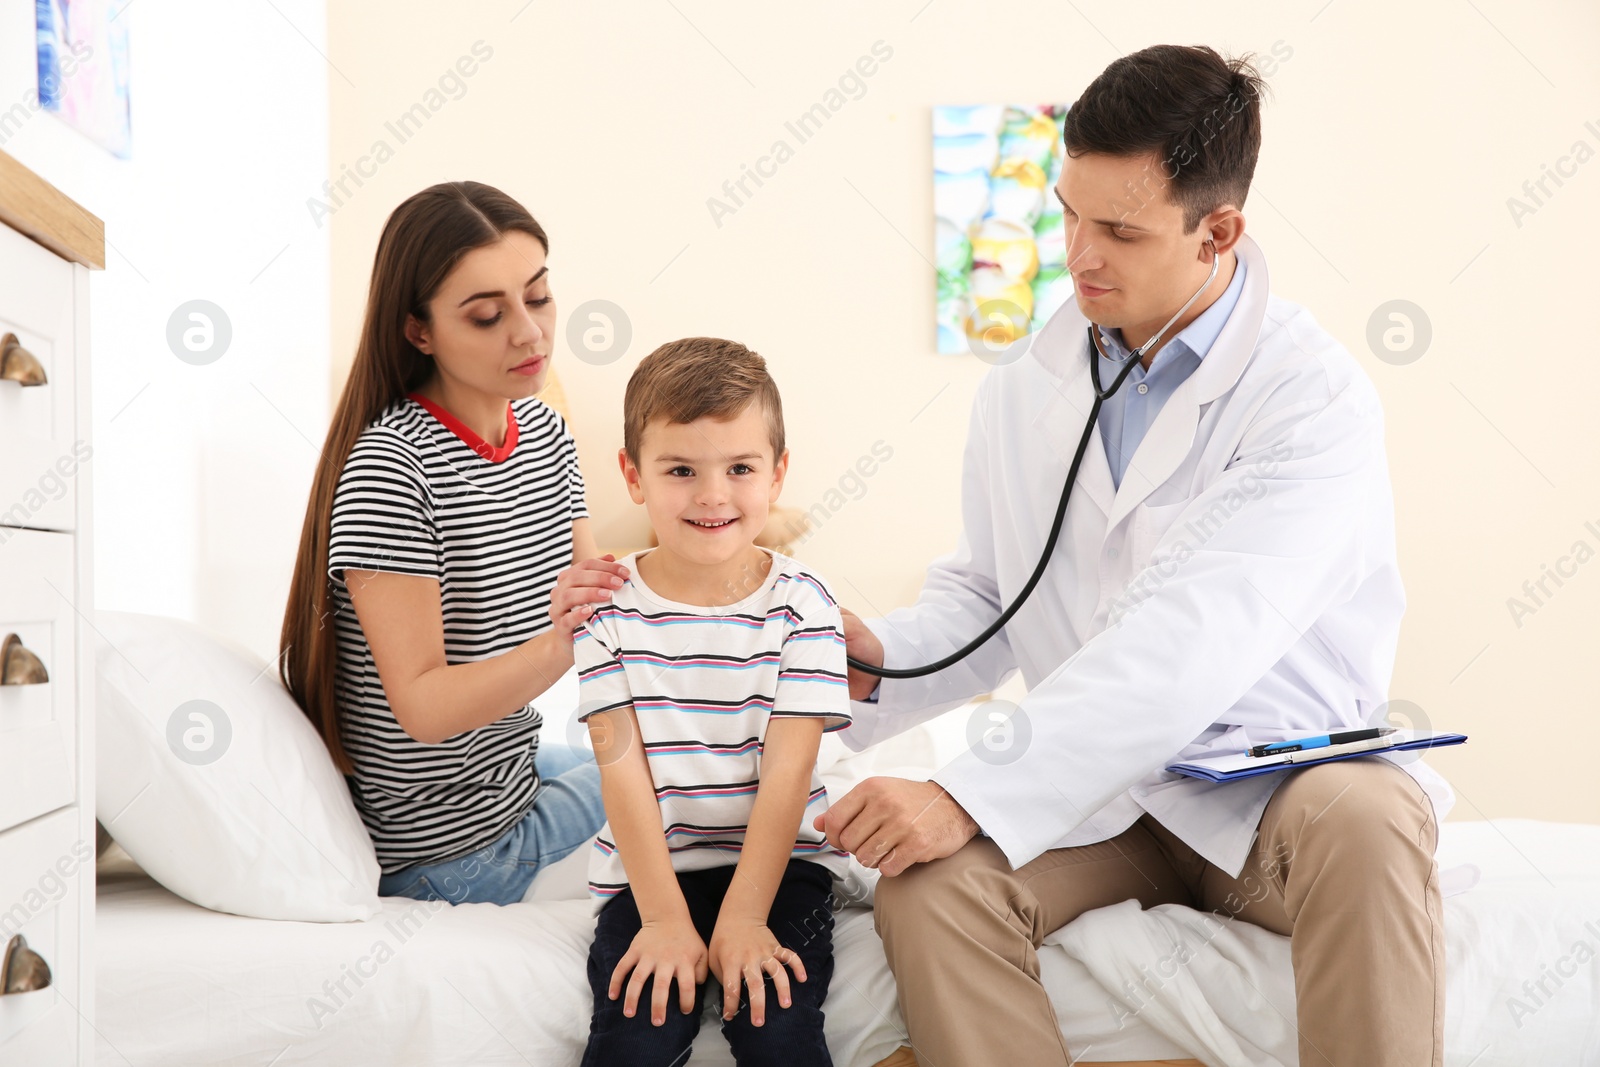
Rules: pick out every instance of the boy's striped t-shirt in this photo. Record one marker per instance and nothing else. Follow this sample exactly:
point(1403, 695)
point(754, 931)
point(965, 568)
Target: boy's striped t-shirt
point(703, 683)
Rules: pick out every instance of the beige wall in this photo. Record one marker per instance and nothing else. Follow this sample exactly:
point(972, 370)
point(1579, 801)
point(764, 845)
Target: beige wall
point(1396, 136)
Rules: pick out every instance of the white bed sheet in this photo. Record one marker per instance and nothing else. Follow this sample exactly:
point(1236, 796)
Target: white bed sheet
point(476, 984)
point(180, 986)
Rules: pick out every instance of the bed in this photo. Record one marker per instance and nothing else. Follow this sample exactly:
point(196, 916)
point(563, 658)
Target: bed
point(296, 960)
point(181, 986)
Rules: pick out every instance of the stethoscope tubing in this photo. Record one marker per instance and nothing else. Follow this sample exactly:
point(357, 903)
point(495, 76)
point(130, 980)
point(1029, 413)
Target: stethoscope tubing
point(1100, 396)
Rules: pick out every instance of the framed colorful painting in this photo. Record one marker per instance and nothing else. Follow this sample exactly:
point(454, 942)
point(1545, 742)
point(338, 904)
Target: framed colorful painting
point(999, 240)
point(83, 68)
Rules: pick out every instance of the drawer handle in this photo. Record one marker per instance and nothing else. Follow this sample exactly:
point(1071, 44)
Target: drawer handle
point(18, 665)
point(23, 969)
point(17, 364)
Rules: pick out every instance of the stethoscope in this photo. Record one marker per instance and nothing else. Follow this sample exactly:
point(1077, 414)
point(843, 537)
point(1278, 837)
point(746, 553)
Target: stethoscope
point(1100, 395)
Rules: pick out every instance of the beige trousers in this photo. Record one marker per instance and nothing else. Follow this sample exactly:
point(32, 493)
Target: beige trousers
point(1342, 864)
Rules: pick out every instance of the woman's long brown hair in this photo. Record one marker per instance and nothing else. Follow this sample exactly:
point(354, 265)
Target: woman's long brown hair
point(422, 242)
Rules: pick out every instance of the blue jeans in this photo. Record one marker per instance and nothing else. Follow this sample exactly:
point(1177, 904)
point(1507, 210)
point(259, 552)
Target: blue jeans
point(566, 812)
point(801, 919)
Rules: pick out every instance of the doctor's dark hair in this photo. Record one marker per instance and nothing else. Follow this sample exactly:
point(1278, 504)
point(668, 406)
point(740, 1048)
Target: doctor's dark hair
point(1199, 113)
point(422, 242)
point(696, 378)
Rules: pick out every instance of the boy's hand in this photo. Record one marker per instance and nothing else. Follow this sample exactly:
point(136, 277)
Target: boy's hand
point(747, 952)
point(668, 949)
point(580, 587)
point(862, 644)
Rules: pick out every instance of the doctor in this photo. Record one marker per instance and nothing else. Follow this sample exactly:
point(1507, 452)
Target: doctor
point(1227, 573)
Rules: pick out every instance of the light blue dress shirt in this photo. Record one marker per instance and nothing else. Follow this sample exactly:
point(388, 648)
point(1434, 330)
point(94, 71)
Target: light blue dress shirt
point(1126, 415)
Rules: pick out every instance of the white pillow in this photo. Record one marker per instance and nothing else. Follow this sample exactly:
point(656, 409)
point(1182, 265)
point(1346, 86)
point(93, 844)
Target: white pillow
point(216, 783)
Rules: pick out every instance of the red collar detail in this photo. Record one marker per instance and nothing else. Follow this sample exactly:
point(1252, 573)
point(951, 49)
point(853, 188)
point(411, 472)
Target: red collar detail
point(473, 441)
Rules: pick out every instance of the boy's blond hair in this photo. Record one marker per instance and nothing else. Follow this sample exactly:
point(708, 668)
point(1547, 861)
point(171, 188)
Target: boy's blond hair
point(696, 378)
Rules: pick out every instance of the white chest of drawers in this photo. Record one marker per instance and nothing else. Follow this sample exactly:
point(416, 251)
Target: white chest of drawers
point(47, 826)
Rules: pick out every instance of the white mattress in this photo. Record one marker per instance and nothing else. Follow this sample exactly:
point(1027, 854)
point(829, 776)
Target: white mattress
point(474, 984)
point(478, 984)
point(180, 986)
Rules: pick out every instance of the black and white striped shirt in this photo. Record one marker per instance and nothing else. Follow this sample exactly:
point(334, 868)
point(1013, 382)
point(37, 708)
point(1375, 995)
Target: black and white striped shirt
point(422, 494)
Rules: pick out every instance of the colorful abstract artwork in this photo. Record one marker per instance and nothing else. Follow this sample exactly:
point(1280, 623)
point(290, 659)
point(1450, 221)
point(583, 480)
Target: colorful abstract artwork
point(1000, 244)
point(83, 68)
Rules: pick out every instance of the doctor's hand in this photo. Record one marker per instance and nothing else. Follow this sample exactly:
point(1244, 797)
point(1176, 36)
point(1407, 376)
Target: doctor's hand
point(862, 644)
point(891, 823)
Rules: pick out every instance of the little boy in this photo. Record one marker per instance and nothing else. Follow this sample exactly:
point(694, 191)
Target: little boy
point(707, 683)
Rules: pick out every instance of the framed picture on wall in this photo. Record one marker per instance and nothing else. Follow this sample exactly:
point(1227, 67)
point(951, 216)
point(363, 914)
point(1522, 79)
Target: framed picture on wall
point(83, 69)
point(1000, 246)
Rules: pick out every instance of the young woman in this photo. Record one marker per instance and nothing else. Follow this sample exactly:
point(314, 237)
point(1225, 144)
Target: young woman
point(437, 585)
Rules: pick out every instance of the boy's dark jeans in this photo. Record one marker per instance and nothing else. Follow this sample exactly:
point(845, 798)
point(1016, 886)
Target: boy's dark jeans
point(801, 919)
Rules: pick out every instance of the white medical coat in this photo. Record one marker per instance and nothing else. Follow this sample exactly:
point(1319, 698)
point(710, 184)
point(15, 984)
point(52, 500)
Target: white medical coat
point(1240, 583)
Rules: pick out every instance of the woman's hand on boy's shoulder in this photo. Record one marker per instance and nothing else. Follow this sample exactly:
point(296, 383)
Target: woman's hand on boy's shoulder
point(582, 586)
point(668, 949)
point(741, 954)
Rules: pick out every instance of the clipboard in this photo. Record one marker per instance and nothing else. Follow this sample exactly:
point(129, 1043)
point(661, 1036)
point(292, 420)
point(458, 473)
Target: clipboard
point(1233, 766)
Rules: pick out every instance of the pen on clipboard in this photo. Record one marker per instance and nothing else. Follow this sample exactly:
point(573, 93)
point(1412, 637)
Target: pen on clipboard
point(1341, 737)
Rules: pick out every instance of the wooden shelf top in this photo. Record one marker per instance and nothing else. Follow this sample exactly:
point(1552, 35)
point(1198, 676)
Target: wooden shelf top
point(32, 206)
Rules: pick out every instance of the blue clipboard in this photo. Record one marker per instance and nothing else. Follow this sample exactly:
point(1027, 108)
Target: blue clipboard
point(1233, 766)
